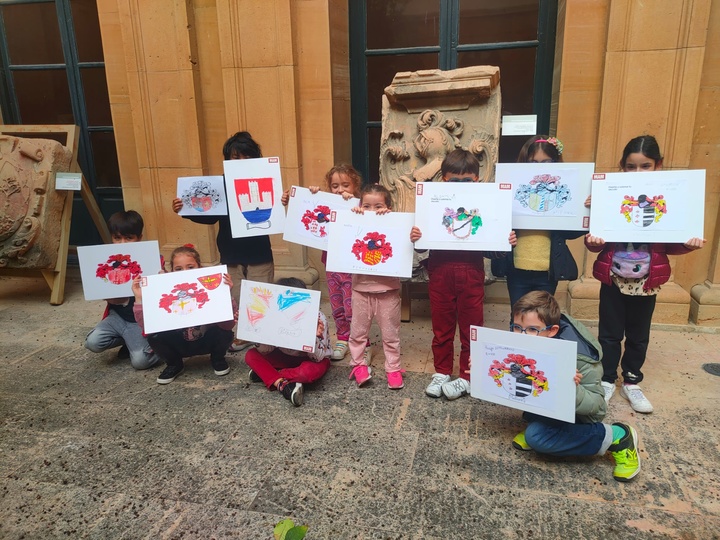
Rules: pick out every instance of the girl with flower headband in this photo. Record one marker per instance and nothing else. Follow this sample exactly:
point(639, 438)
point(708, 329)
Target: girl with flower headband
point(174, 345)
point(631, 276)
point(541, 258)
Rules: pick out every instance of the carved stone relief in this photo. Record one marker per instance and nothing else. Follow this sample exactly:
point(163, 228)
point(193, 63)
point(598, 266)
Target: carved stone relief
point(30, 208)
point(427, 114)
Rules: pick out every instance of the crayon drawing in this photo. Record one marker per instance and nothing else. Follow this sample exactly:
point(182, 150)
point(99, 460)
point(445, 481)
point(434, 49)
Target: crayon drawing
point(371, 244)
point(202, 195)
point(657, 206)
point(548, 196)
point(107, 270)
point(463, 216)
point(309, 215)
point(278, 315)
point(189, 298)
point(524, 372)
point(254, 187)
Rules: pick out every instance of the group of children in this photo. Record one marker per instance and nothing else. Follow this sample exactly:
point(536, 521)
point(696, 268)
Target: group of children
point(539, 259)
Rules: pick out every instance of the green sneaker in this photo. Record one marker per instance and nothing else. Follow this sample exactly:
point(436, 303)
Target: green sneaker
point(519, 442)
point(625, 454)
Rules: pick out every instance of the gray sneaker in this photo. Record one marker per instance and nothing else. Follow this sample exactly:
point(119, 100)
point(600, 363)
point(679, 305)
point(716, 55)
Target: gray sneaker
point(637, 399)
point(609, 389)
point(434, 389)
point(455, 389)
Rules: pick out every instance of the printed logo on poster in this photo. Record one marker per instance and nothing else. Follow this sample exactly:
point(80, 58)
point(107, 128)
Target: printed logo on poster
point(598, 176)
point(505, 185)
point(473, 334)
point(586, 222)
point(292, 191)
point(419, 189)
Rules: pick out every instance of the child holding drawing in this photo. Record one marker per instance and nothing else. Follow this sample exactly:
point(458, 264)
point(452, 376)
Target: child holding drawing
point(286, 370)
point(343, 180)
point(375, 297)
point(631, 276)
point(537, 314)
point(174, 345)
point(457, 291)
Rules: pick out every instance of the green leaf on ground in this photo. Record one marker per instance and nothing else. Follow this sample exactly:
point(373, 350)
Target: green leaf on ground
point(296, 533)
point(281, 529)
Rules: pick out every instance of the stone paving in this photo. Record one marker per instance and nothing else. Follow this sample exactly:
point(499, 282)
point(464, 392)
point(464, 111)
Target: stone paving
point(90, 448)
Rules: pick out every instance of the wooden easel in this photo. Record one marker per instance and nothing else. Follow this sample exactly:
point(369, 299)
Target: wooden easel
point(68, 136)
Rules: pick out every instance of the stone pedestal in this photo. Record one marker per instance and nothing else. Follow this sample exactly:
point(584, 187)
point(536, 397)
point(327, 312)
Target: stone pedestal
point(705, 304)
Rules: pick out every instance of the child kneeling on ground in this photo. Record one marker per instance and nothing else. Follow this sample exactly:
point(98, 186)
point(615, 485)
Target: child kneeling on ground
point(286, 370)
point(538, 314)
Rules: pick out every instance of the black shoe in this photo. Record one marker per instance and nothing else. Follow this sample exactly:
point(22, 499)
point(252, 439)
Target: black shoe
point(123, 353)
point(293, 392)
point(254, 377)
point(220, 366)
point(169, 373)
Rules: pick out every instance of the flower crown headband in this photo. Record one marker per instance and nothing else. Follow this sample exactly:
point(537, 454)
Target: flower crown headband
point(555, 142)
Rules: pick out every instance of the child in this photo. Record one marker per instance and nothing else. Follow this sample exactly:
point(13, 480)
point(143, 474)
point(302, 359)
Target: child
point(457, 290)
point(375, 297)
point(628, 291)
point(538, 314)
point(541, 258)
point(174, 345)
point(342, 180)
point(246, 258)
point(286, 369)
point(118, 327)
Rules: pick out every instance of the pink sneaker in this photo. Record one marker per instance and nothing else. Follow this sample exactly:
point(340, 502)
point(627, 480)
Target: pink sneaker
point(395, 380)
point(361, 374)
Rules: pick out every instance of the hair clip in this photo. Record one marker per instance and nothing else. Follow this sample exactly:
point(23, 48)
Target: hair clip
point(555, 142)
point(189, 246)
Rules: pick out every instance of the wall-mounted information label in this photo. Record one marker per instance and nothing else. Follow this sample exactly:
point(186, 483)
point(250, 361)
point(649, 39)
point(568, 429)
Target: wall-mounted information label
point(519, 124)
point(68, 181)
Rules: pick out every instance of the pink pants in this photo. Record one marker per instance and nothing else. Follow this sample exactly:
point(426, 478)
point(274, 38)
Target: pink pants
point(278, 365)
point(340, 290)
point(385, 308)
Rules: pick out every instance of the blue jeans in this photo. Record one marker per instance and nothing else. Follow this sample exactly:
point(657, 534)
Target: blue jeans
point(521, 282)
point(558, 438)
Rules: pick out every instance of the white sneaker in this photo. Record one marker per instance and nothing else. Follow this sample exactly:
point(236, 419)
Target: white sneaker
point(455, 389)
point(609, 389)
point(434, 389)
point(340, 350)
point(637, 399)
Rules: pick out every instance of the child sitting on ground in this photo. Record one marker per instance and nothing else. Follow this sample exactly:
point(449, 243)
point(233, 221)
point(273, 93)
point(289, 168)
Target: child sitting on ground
point(118, 327)
point(286, 370)
point(538, 314)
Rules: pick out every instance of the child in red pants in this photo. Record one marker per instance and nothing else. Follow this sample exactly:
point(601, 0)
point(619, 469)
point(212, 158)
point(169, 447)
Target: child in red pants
point(286, 370)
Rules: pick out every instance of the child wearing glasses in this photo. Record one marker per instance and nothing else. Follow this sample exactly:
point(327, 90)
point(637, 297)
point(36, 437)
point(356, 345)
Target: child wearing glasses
point(457, 291)
point(537, 313)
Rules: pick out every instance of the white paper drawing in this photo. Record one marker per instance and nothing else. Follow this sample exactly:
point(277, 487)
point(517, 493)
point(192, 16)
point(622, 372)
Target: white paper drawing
point(187, 298)
point(202, 196)
point(548, 196)
point(658, 206)
point(107, 270)
point(254, 188)
point(463, 216)
point(308, 216)
point(529, 373)
point(278, 315)
point(371, 244)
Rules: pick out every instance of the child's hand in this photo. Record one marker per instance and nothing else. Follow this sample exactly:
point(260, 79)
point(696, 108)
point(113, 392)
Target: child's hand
point(227, 280)
point(358, 210)
point(137, 289)
point(695, 243)
point(346, 195)
point(320, 329)
point(285, 198)
point(236, 315)
point(177, 204)
point(382, 211)
point(314, 189)
point(577, 377)
point(591, 240)
point(415, 234)
point(467, 371)
point(588, 201)
point(512, 239)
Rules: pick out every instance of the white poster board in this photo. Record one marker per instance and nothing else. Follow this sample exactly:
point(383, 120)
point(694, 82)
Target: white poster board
point(308, 216)
point(278, 315)
point(186, 298)
point(371, 244)
point(529, 373)
point(658, 206)
point(468, 216)
point(107, 270)
point(202, 196)
point(254, 188)
point(548, 196)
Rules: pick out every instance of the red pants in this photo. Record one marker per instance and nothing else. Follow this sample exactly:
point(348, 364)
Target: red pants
point(278, 365)
point(457, 291)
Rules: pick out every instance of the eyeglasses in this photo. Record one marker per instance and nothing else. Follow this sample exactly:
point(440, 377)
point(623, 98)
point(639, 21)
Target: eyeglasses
point(530, 330)
point(462, 179)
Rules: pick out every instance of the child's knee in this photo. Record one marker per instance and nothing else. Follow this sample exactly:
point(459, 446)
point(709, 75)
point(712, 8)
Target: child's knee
point(143, 359)
point(95, 343)
point(536, 435)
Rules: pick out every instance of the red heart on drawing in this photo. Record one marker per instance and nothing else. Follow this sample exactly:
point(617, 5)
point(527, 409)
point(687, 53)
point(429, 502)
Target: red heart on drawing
point(210, 282)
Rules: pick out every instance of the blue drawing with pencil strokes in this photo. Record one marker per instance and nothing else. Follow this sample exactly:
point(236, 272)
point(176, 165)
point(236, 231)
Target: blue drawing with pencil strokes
point(290, 298)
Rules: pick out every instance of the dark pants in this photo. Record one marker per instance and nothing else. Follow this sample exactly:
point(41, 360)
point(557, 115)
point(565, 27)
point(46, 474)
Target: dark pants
point(628, 316)
point(172, 347)
point(521, 282)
